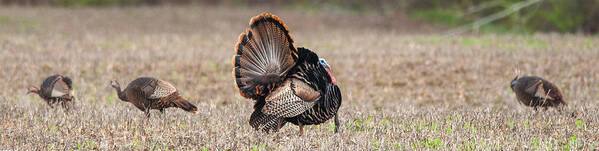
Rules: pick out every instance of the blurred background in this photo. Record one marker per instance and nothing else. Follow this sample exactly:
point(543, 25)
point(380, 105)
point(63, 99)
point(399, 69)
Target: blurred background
point(405, 84)
point(487, 16)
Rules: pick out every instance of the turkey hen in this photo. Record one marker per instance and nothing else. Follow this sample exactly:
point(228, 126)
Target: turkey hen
point(289, 84)
point(150, 93)
point(536, 92)
point(55, 89)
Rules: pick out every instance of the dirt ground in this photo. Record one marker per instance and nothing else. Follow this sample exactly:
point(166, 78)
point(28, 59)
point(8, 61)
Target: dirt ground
point(405, 86)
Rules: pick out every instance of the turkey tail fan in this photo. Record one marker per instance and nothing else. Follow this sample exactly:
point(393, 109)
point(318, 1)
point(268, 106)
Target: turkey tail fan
point(68, 81)
point(47, 86)
point(264, 55)
point(185, 105)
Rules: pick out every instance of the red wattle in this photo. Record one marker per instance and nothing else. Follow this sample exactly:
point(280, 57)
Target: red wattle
point(332, 78)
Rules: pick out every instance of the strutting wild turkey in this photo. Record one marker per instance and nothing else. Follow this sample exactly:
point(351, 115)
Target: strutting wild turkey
point(150, 93)
point(289, 84)
point(55, 89)
point(536, 92)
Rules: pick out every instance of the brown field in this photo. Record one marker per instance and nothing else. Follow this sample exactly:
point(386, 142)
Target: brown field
point(404, 87)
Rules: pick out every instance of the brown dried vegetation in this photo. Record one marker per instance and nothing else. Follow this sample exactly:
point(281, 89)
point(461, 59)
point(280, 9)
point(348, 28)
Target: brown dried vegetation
point(400, 91)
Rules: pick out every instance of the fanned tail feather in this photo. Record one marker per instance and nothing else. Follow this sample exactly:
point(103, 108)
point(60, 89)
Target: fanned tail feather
point(68, 81)
point(264, 55)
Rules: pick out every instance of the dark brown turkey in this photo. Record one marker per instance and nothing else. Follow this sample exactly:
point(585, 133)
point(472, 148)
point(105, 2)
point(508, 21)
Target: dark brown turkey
point(55, 89)
point(150, 93)
point(536, 92)
point(289, 84)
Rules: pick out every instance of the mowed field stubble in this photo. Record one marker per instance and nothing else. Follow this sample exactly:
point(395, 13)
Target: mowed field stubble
point(404, 86)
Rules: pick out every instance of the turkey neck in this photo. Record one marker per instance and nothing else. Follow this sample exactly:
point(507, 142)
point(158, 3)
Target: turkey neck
point(121, 94)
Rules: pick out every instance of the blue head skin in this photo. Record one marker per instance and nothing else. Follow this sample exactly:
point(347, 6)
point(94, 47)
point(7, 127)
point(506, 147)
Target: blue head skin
point(328, 68)
point(324, 64)
point(514, 82)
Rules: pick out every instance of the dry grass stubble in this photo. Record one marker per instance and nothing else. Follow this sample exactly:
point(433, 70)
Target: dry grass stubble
point(401, 91)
